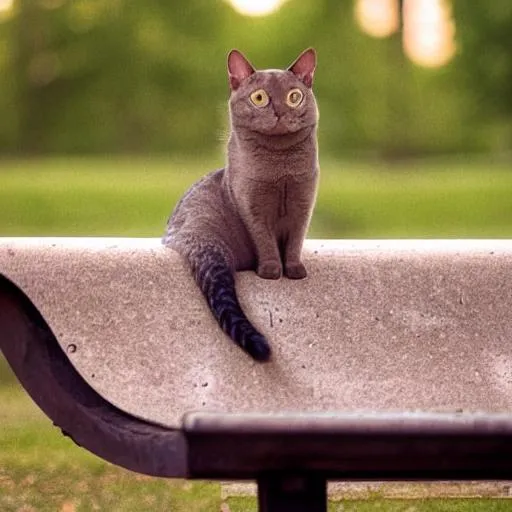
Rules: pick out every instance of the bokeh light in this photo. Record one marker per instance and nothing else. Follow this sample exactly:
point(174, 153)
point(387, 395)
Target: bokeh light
point(6, 5)
point(378, 18)
point(429, 32)
point(256, 7)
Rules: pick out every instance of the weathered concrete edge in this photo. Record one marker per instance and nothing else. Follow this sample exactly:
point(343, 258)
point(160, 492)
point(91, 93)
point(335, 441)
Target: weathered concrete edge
point(396, 244)
point(134, 261)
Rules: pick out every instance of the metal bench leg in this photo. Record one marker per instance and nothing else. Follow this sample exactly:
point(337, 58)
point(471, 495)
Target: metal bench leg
point(298, 493)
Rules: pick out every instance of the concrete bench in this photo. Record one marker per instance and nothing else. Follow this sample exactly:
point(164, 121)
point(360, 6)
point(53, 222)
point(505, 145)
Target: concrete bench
point(392, 360)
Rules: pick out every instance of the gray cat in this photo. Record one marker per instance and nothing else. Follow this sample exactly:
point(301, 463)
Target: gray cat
point(254, 214)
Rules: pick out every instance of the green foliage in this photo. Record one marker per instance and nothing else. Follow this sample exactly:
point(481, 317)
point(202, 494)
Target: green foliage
point(485, 35)
point(101, 76)
point(484, 68)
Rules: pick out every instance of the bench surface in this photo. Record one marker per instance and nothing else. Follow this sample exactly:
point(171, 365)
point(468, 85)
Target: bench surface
point(382, 326)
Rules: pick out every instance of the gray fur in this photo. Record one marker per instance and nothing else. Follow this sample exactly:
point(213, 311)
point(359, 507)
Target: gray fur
point(254, 214)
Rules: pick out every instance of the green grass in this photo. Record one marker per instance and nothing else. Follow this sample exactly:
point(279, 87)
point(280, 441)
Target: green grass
point(40, 470)
point(133, 197)
point(90, 197)
point(435, 201)
point(376, 504)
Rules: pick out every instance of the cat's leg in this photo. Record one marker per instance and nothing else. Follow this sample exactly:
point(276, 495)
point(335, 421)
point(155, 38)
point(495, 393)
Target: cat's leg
point(296, 225)
point(293, 266)
point(257, 211)
point(267, 251)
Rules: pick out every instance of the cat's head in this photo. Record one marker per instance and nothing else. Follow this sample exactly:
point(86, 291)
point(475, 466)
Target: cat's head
point(272, 102)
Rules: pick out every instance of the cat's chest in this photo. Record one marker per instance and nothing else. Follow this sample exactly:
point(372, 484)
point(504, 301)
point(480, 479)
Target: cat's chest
point(272, 201)
point(284, 198)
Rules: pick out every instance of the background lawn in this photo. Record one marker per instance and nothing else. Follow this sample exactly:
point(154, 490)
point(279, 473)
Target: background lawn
point(133, 197)
point(40, 470)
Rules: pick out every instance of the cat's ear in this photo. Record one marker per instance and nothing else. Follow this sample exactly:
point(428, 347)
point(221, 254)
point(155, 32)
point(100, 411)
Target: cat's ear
point(304, 66)
point(239, 68)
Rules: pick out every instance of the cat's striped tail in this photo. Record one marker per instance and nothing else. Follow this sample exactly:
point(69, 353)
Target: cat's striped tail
point(215, 278)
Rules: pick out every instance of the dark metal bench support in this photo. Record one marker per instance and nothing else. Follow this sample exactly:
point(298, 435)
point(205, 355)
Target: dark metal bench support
point(287, 492)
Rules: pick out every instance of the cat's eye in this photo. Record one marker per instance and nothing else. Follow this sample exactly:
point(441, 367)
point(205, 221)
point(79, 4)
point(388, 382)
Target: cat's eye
point(259, 98)
point(294, 98)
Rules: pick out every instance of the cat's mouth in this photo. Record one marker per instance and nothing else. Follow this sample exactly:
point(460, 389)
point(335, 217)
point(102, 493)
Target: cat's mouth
point(280, 128)
point(277, 136)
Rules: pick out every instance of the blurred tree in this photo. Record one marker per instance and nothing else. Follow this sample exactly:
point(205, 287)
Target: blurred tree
point(123, 76)
point(96, 75)
point(8, 118)
point(485, 60)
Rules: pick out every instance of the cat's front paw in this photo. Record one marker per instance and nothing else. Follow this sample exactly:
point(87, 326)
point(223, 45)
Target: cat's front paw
point(270, 270)
point(295, 271)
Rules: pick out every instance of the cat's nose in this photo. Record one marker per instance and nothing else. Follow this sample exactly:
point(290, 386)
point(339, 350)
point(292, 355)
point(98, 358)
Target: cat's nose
point(279, 112)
